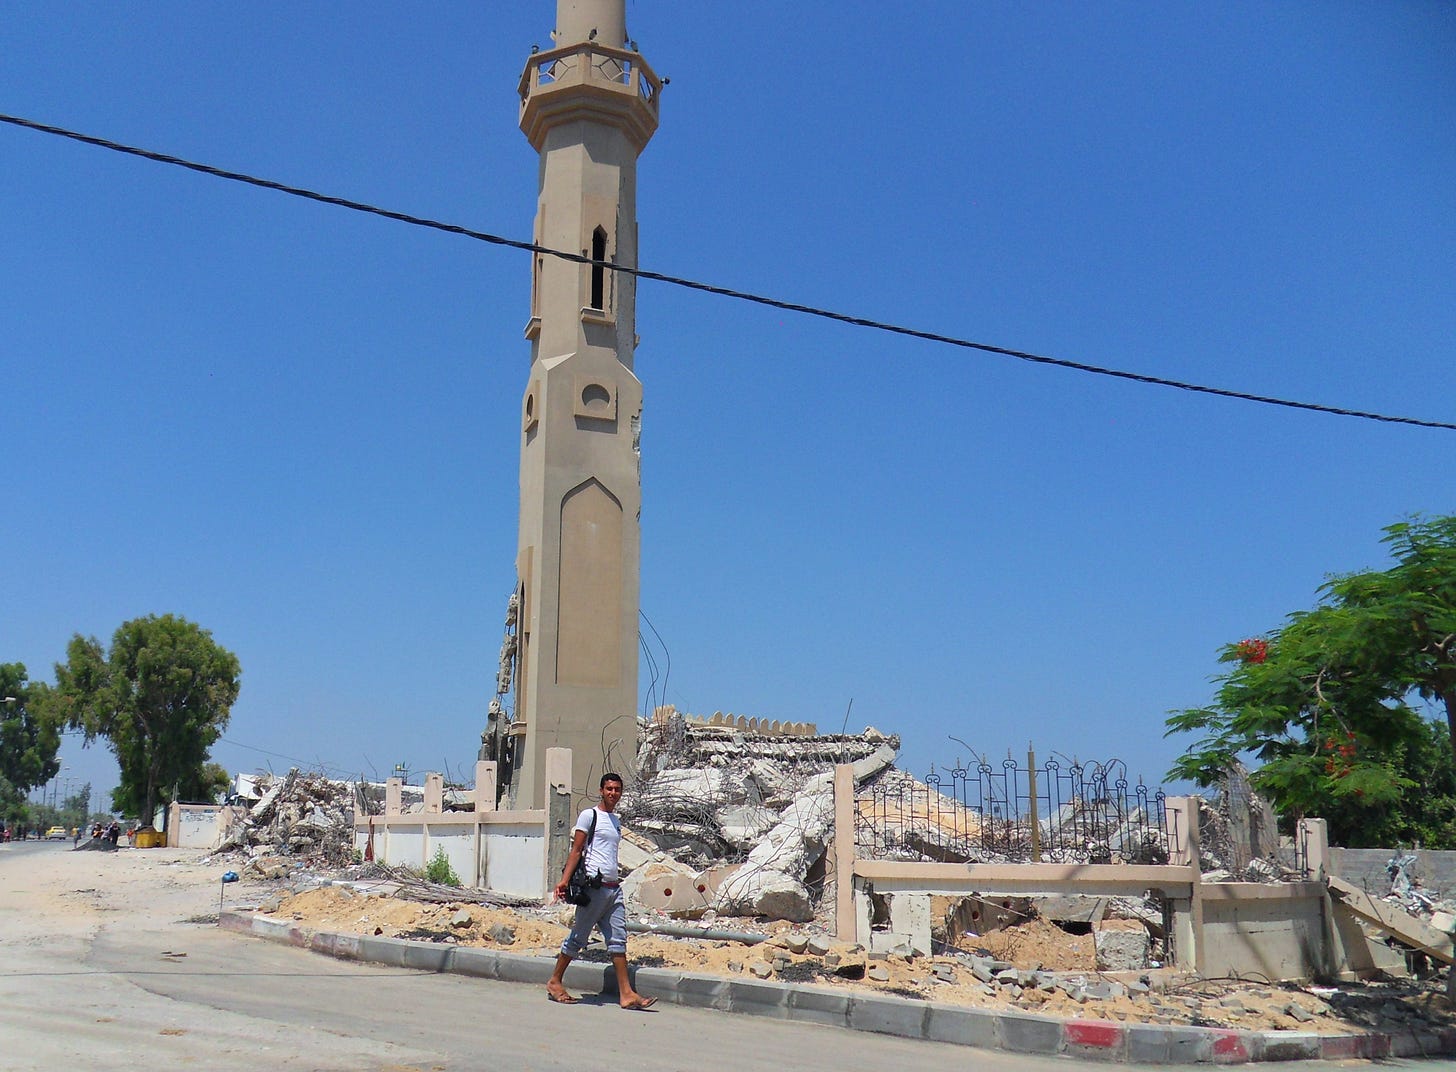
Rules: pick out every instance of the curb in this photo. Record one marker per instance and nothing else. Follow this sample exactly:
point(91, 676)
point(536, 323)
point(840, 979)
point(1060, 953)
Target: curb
point(1015, 1032)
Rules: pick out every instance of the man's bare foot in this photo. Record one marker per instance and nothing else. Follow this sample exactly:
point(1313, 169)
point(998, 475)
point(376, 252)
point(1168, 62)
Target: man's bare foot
point(558, 993)
point(638, 1002)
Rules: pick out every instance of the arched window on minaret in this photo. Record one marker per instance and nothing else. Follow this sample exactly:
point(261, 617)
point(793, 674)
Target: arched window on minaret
point(599, 271)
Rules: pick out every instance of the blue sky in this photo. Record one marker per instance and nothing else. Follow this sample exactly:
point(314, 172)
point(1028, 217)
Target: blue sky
point(298, 426)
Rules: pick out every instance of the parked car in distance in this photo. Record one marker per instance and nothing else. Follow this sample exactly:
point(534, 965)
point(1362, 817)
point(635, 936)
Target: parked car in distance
point(57, 833)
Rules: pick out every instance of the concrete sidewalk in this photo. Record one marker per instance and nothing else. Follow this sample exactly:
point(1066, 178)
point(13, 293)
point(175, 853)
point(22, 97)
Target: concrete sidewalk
point(1016, 1032)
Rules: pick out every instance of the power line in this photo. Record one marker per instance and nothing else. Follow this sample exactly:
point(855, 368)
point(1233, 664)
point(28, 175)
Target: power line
point(708, 288)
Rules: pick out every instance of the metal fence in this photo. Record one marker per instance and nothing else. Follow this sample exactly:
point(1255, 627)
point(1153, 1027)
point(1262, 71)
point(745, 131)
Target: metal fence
point(992, 812)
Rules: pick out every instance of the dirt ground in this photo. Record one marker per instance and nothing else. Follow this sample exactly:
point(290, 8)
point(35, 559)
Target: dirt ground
point(1035, 944)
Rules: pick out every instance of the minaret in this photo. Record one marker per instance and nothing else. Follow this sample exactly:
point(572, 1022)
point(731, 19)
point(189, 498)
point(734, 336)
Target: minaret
point(589, 107)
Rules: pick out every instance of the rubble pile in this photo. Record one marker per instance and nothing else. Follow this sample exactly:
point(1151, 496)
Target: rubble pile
point(712, 792)
point(1409, 894)
point(301, 814)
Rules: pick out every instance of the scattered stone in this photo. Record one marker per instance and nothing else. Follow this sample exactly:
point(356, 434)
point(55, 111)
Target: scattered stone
point(460, 918)
point(797, 943)
point(735, 966)
point(503, 933)
point(761, 969)
point(878, 974)
point(817, 945)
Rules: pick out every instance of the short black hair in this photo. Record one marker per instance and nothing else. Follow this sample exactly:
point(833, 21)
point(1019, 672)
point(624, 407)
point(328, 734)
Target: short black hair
point(610, 777)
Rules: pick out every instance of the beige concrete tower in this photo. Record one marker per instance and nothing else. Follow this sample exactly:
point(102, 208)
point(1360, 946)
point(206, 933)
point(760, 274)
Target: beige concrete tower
point(588, 106)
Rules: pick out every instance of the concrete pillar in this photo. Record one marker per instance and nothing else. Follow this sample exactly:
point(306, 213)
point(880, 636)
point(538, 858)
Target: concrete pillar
point(560, 814)
point(844, 850)
point(1315, 834)
point(434, 793)
point(1188, 945)
point(485, 774)
point(392, 805)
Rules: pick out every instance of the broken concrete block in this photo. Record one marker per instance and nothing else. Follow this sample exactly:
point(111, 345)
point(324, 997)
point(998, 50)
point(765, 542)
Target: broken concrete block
point(743, 824)
point(765, 892)
point(460, 918)
point(871, 765)
point(503, 933)
point(761, 969)
point(797, 943)
point(1298, 1012)
point(818, 945)
point(664, 885)
point(1070, 908)
point(877, 974)
point(1443, 921)
point(1121, 950)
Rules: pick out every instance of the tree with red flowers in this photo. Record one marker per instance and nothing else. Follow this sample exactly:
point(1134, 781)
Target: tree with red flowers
point(1335, 705)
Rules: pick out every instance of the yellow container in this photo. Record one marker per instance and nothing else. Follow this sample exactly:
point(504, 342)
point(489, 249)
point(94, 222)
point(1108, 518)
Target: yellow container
point(150, 839)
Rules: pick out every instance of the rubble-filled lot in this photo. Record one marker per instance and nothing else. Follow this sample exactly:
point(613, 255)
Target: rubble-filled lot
point(748, 815)
point(1014, 968)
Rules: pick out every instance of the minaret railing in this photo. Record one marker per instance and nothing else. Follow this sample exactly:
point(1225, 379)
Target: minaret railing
point(590, 62)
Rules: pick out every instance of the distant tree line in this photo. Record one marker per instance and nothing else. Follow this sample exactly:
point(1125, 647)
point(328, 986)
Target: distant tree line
point(160, 695)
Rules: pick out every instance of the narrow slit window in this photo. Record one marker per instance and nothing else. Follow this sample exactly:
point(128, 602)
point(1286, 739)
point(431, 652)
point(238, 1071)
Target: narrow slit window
point(599, 271)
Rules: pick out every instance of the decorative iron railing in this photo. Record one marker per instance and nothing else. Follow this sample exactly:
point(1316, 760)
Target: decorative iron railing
point(988, 811)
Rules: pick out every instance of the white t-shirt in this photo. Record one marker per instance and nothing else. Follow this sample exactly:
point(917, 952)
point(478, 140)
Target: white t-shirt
point(601, 850)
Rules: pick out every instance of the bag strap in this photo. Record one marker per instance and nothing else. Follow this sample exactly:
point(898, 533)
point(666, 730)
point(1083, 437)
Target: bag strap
point(591, 830)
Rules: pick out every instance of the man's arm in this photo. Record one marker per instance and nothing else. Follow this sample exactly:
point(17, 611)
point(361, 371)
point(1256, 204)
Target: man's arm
point(578, 846)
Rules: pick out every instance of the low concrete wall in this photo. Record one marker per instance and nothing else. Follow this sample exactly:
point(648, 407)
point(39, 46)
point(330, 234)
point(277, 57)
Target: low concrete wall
point(1254, 928)
point(504, 851)
point(200, 826)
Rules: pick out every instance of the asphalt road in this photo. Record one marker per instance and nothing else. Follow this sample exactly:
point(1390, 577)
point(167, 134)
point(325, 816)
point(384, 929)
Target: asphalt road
point(147, 992)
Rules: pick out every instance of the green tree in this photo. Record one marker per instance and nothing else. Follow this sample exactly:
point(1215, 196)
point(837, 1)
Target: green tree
point(205, 785)
point(1331, 703)
point(29, 740)
point(161, 697)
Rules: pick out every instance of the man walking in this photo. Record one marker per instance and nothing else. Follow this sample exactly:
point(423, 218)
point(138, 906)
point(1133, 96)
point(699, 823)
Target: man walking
point(598, 834)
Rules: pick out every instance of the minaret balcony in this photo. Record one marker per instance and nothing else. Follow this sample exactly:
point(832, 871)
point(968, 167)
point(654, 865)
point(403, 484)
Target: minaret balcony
point(589, 81)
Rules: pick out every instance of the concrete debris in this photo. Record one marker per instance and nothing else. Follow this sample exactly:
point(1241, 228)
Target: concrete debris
point(713, 793)
point(1121, 949)
point(303, 815)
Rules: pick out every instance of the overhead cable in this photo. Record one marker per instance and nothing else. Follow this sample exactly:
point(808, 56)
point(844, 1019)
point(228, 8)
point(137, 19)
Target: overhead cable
point(708, 288)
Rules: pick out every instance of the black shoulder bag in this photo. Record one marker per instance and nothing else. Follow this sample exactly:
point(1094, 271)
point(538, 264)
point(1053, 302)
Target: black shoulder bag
point(579, 886)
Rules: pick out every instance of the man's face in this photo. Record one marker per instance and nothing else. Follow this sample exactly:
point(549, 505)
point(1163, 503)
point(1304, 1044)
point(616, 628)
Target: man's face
point(611, 793)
